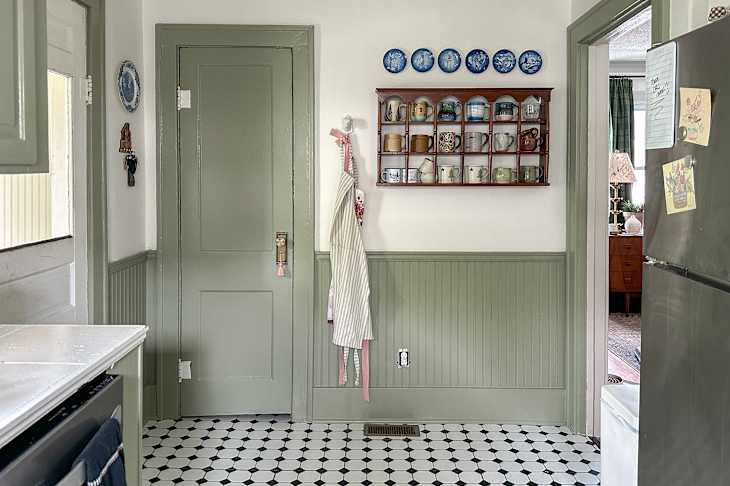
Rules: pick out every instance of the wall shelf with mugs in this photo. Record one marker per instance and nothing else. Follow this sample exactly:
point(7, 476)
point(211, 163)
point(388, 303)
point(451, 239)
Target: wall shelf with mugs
point(456, 137)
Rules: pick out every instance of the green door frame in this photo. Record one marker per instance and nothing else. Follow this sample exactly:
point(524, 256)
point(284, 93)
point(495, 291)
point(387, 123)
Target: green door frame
point(96, 238)
point(588, 29)
point(169, 39)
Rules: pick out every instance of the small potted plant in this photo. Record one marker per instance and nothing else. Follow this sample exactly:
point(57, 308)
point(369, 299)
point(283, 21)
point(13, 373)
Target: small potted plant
point(633, 217)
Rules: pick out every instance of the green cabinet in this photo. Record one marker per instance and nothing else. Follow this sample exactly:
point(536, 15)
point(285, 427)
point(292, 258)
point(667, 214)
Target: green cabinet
point(23, 87)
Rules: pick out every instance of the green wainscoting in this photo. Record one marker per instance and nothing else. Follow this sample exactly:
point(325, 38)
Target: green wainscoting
point(132, 297)
point(486, 333)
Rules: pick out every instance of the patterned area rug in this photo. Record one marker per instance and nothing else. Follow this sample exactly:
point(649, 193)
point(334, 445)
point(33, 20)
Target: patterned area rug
point(624, 336)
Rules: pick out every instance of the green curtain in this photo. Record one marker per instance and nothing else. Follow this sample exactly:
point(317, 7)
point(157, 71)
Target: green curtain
point(621, 96)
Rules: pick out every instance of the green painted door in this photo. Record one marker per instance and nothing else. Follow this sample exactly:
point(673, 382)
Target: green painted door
point(235, 194)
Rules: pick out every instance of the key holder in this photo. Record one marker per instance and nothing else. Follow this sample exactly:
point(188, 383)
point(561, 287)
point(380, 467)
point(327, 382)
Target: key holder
point(281, 242)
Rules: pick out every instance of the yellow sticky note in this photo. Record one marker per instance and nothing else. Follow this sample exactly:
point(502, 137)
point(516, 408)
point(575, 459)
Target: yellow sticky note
point(679, 186)
point(695, 115)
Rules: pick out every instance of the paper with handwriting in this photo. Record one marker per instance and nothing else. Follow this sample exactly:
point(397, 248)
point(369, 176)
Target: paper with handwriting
point(661, 73)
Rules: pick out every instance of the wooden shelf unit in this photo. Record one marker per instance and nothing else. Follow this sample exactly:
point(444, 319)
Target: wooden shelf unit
point(463, 95)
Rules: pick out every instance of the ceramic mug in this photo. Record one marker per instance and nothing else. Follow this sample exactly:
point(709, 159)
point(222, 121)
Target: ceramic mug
point(393, 142)
point(411, 175)
point(505, 110)
point(476, 111)
point(421, 144)
point(531, 109)
point(395, 110)
point(529, 140)
point(420, 110)
point(449, 142)
point(390, 175)
point(475, 141)
point(531, 174)
point(477, 174)
point(502, 175)
point(503, 142)
point(449, 110)
point(449, 174)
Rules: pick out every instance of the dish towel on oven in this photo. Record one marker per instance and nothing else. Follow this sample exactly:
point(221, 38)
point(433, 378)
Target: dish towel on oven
point(349, 296)
point(103, 456)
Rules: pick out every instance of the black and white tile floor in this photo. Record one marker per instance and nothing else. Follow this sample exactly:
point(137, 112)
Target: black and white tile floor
point(271, 450)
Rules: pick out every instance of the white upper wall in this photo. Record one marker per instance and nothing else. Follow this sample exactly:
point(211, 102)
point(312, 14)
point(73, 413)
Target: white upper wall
point(126, 206)
point(350, 39)
point(579, 7)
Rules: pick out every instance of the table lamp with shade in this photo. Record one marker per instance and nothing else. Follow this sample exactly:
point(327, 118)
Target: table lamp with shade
point(621, 171)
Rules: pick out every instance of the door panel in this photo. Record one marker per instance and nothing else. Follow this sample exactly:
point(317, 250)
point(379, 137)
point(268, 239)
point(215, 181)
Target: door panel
point(226, 187)
point(23, 87)
point(235, 193)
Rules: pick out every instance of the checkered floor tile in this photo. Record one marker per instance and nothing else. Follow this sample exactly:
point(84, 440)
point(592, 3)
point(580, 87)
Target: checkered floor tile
point(272, 450)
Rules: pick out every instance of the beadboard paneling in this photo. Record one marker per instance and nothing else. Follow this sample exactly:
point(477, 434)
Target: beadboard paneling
point(469, 320)
point(132, 297)
point(128, 290)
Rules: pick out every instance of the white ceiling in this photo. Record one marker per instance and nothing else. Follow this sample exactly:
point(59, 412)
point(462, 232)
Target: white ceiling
point(630, 41)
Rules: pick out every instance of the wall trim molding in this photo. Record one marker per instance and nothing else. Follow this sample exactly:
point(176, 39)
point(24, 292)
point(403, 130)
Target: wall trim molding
point(132, 260)
point(443, 405)
point(585, 31)
point(442, 256)
point(169, 38)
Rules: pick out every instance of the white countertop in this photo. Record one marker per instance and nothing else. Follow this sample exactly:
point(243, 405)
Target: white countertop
point(42, 365)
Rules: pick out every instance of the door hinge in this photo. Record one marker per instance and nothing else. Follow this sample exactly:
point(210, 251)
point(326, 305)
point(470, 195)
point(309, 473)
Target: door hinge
point(184, 370)
point(183, 99)
point(89, 88)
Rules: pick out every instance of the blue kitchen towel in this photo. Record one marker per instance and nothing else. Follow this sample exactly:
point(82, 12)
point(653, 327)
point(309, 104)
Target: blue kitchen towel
point(103, 456)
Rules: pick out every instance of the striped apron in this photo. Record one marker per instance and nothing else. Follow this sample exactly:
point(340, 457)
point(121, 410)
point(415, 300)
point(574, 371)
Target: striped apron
point(349, 305)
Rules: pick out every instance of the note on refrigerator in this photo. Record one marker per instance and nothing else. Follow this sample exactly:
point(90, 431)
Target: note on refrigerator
point(661, 74)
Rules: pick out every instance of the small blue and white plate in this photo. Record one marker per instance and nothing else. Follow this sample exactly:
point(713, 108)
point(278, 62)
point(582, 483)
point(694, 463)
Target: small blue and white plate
point(530, 62)
point(477, 61)
point(394, 61)
point(504, 61)
point(449, 60)
point(422, 60)
point(129, 86)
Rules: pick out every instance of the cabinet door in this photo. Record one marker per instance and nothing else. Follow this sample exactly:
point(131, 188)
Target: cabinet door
point(23, 87)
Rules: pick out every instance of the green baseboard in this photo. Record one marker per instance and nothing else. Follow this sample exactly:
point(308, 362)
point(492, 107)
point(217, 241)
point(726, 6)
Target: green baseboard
point(445, 405)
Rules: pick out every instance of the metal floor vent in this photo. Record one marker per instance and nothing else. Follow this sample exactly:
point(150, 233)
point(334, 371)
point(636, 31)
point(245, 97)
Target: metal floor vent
point(392, 430)
point(614, 379)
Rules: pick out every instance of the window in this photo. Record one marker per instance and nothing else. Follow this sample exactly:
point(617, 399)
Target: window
point(38, 207)
point(638, 188)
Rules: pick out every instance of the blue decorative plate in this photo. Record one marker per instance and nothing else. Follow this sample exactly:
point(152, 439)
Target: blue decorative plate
point(530, 62)
point(504, 61)
point(394, 61)
point(129, 86)
point(422, 60)
point(449, 60)
point(477, 61)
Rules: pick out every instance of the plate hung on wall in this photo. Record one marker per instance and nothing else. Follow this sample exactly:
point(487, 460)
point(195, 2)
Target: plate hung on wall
point(530, 62)
point(422, 60)
point(129, 86)
point(449, 60)
point(504, 61)
point(394, 61)
point(477, 61)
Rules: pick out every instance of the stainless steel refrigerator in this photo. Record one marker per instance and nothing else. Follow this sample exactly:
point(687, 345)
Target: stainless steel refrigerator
point(685, 346)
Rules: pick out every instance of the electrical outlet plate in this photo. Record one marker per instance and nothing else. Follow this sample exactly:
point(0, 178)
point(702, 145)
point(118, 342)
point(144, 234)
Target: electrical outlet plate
point(404, 358)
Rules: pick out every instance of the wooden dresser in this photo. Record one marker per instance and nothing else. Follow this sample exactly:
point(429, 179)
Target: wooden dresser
point(625, 259)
